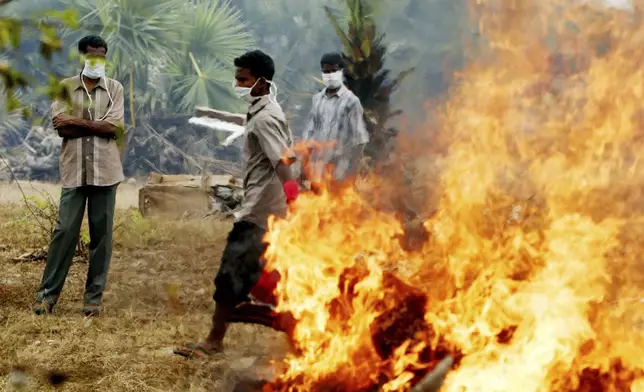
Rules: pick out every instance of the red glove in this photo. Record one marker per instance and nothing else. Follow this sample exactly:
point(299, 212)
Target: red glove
point(264, 290)
point(291, 190)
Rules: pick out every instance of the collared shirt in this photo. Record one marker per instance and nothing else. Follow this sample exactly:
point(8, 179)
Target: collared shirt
point(336, 118)
point(268, 141)
point(91, 160)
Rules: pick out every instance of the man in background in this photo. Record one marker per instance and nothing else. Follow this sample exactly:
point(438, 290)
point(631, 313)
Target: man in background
point(90, 168)
point(335, 123)
point(269, 186)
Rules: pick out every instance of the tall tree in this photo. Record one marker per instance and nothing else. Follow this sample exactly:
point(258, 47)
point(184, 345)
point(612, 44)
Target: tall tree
point(367, 76)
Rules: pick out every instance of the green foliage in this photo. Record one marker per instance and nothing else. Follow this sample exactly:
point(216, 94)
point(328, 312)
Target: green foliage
point(170, 55)
point(12, 30)
point(367, 77)
point(173, 54)
point(132, 230)
point(136, 31)
point(178, 52)
point(201, 69)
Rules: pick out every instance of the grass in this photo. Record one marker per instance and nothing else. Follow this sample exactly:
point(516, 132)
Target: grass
point(158, 296)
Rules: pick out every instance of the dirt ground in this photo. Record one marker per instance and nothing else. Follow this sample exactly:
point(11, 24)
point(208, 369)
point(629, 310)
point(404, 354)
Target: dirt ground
point(158, 296)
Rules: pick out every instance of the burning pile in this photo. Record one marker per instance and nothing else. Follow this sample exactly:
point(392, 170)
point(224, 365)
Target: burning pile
point(535, 245)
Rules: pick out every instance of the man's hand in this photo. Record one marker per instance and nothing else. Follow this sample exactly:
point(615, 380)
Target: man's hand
point(64, 120)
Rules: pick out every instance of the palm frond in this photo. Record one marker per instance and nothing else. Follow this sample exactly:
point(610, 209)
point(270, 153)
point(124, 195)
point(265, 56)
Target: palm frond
point(215, 28)
point(202, 86)
point(202, 70)
point(135, 31)
point(13, 124)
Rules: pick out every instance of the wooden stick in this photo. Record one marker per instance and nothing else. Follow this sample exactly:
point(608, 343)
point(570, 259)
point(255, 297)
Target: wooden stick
point(434, 380)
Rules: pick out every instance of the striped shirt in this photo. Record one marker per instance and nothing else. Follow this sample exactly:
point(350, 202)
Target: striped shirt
point(91, 160)
point(336, 118)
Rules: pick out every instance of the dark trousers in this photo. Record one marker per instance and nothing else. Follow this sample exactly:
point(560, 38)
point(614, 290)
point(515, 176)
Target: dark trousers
point(100, 201)
point(241, 264)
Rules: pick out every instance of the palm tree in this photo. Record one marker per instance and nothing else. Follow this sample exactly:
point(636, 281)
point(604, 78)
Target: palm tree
point(367, 77)
point(137, 33)
point(170, 55)
point(200, 71)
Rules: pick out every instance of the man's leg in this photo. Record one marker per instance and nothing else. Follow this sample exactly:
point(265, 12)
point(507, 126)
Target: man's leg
point(239, 271)
point(62, 247)
point(100, 213)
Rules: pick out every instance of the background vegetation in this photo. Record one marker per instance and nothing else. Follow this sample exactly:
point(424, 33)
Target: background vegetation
point(171, 55)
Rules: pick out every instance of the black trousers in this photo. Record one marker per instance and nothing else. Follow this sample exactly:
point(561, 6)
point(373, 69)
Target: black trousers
point(241, 264)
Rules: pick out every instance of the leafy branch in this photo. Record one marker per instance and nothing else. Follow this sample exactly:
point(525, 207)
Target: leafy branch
point(46, 23)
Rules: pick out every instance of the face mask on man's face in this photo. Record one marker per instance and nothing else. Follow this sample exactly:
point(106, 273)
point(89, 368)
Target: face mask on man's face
point(333, 80)
point(94, 68)
point(244, 93)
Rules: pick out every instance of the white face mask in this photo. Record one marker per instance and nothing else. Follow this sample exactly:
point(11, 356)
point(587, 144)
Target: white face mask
point(333, 80)
point(244, 92)
point(94, 69)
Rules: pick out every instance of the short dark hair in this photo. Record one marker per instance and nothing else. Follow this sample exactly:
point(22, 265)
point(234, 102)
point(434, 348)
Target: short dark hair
point(258, 63)
point(91, 40)
point(332, 59)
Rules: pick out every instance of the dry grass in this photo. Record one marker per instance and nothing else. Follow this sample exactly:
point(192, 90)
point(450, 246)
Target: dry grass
point(128, 194)
point(159, 295)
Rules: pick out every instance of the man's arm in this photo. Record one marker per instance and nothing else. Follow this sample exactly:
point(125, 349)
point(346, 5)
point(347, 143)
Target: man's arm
point(284, 172)
point(270, 135)
point(112, 126)
point(62, 109)
point(72, 127)
point(354, 160)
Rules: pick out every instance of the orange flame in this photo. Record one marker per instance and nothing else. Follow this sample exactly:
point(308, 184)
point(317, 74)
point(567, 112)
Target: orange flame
point(533, 250)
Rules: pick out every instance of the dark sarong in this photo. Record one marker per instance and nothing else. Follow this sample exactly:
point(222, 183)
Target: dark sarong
point(241, 264)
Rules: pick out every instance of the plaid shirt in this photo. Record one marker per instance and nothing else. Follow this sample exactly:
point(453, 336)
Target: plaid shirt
point(336, 118)
point(91, 160)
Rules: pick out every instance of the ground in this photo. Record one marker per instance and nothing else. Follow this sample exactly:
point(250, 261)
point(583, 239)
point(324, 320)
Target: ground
point(158, 296)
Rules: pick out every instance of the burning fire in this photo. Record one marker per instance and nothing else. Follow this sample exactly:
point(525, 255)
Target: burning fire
point(531, 274)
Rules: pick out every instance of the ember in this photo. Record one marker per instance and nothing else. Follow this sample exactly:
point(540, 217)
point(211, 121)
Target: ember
point(535, 239)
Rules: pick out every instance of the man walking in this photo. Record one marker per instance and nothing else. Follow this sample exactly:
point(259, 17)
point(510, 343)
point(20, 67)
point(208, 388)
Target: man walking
point(269, 187)
point(336, 118)
point(90, 168)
